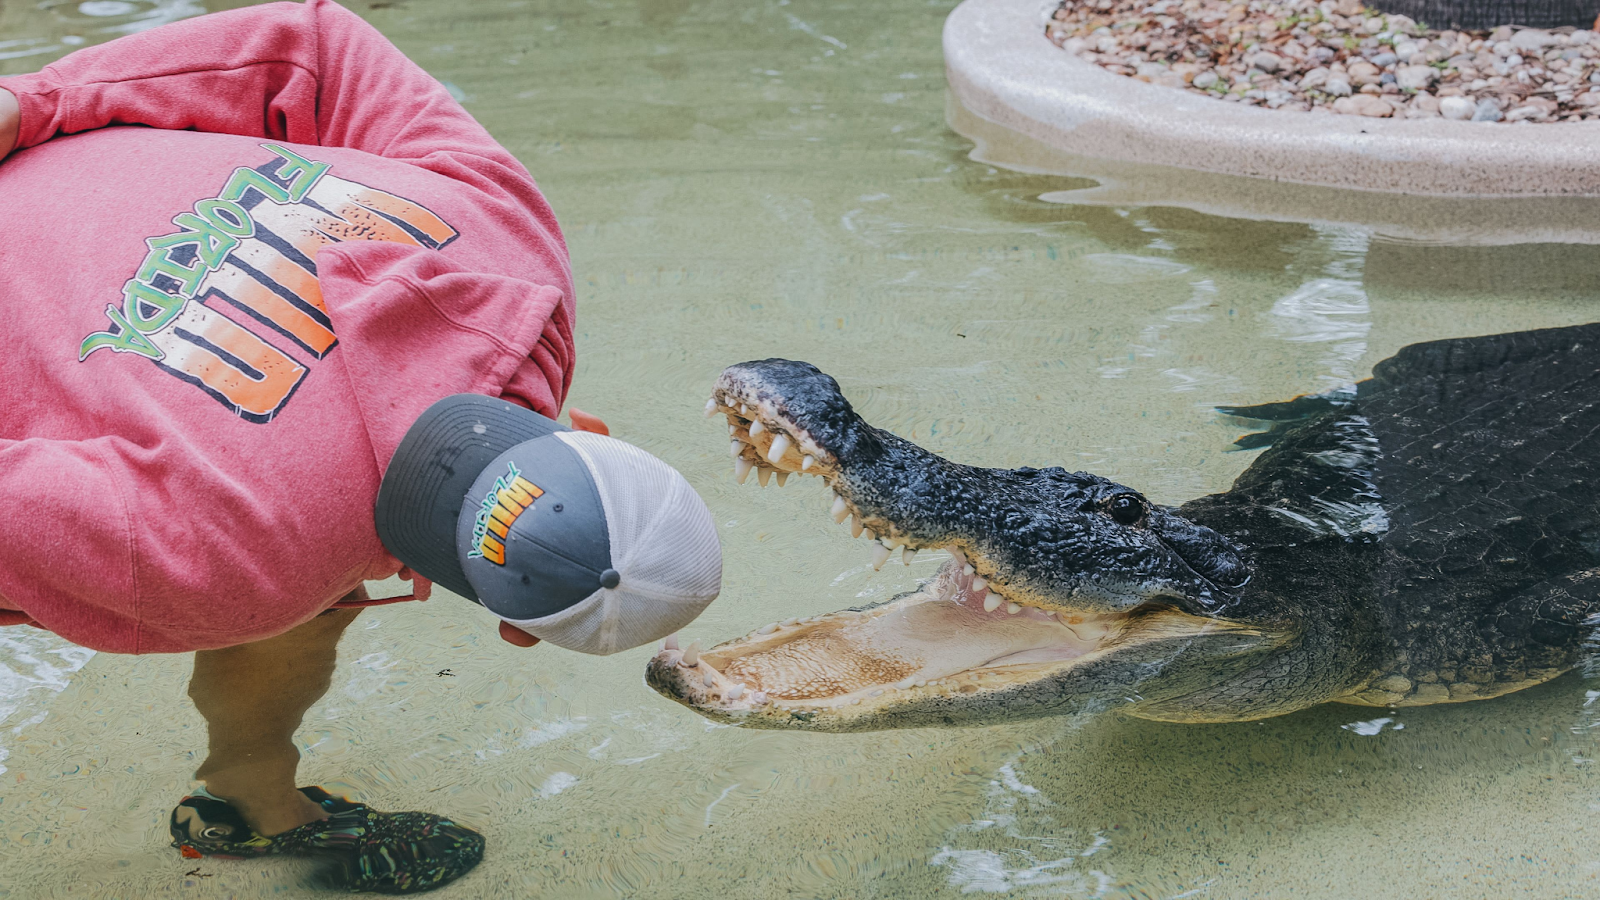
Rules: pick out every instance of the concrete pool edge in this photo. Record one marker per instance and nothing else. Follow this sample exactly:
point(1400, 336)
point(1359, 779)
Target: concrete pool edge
point(1002, 68)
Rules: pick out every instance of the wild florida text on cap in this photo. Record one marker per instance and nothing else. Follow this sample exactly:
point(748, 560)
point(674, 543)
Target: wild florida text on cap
point(577, 538)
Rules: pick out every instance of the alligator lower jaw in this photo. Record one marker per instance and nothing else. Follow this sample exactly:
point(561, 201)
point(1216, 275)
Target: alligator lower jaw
point(908, 661)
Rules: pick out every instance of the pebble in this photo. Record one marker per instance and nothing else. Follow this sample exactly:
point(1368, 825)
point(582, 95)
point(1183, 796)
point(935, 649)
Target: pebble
point(1266, 62)
point(1364, 105)
point(1532, 39)
point(1364, 73)
point(1459, 108)
point(1414, 78)
point(1338, 56)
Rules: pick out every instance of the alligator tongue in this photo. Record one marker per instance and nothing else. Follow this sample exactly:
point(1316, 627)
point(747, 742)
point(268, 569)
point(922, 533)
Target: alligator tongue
point(917, 638)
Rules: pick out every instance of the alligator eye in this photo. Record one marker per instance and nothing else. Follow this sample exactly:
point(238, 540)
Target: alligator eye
point(1125, 509)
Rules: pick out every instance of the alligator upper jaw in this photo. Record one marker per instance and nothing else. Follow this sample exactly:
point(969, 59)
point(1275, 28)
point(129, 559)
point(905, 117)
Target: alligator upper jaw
point(801, 424)
point(932, 656)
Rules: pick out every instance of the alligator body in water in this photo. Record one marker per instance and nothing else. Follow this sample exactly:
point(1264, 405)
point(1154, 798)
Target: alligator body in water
point(1431, 535)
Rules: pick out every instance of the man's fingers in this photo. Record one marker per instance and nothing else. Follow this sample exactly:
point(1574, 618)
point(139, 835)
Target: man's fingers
point(511, 634)
point(582, 421)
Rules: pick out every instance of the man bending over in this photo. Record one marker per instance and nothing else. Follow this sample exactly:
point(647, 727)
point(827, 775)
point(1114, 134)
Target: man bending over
point(306, 325)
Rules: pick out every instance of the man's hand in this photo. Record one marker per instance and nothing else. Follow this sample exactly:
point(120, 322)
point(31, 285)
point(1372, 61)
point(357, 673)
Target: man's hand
point(511, 634)
point(10, 116)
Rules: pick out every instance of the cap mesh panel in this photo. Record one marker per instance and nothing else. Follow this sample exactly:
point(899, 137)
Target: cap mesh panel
point(663, 543)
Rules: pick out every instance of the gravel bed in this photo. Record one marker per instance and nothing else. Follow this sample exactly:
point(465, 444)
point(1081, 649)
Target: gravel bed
point(1338, 56)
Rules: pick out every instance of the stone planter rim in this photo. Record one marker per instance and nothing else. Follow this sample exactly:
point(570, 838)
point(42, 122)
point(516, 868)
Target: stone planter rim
point(1002, 67)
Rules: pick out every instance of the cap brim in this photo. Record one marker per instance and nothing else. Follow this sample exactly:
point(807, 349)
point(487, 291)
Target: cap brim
point(442, 454)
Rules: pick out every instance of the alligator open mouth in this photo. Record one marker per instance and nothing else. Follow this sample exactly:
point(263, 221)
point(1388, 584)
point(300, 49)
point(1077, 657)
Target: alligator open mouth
point(1051, 575)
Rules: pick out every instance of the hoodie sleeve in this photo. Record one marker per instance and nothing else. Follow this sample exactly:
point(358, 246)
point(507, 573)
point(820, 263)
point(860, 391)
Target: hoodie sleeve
point(313, 74)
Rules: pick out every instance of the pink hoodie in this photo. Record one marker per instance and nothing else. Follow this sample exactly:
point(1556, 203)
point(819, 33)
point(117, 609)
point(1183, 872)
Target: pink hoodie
point(220, 326)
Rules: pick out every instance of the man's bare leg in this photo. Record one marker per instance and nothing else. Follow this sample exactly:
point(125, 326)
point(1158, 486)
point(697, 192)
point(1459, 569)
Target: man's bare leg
point(253, 697)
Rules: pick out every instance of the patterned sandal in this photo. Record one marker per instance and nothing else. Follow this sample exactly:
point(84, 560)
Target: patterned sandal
point(365, 850)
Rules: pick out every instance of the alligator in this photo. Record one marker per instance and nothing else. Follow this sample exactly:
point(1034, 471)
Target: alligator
point(1428, 535)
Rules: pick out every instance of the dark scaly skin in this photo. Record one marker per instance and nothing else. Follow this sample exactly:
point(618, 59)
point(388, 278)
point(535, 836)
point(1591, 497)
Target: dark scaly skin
point(1481, 454)
point(1431, 536)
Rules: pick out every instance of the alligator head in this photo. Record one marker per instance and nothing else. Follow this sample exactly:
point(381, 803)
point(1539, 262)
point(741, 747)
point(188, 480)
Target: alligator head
point(1062, 590)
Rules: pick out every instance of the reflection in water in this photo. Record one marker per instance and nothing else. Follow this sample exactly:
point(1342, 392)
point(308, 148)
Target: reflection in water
point(1457, 222)
point(32, 662)
point(1332, 309)
point(1301, 805)
point(72, 23)
point(1044, 853)
point(707, 160)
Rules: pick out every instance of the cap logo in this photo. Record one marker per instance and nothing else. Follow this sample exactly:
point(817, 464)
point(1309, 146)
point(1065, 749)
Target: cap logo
point(509, 498)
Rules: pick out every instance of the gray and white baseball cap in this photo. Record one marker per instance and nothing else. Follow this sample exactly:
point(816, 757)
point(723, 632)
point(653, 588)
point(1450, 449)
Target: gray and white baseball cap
point(577, 538)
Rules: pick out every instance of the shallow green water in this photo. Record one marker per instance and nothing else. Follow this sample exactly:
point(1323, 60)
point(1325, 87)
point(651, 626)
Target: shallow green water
point(747, 179)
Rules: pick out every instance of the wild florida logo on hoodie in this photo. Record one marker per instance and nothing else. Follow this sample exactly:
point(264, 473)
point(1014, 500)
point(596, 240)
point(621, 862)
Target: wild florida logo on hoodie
point(251, 251)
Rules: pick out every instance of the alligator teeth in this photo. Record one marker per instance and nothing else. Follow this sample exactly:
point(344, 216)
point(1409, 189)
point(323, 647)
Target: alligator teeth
point(855, 525)
point(979, 583)
point(782, 477)
point(691, 654)
point(735, 448)
point(711, 407)
point(902, 685)
point(780, 445)
point(871, 535)
point(967, 570)
point(992, 602)
point(789, 623)
point(743, 410)
point(808, 462)
point(736, 692)
point(763, 475)
point(767, 629)
point(671, 643)
point(906, 555)
point(840, 509)
point(880, 555)
point(741, 469)
point(1013, 608)
point(708, 681)
point(756, 427)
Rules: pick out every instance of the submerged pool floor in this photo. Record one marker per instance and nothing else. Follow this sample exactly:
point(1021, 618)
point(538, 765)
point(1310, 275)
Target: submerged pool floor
point(748, 179)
